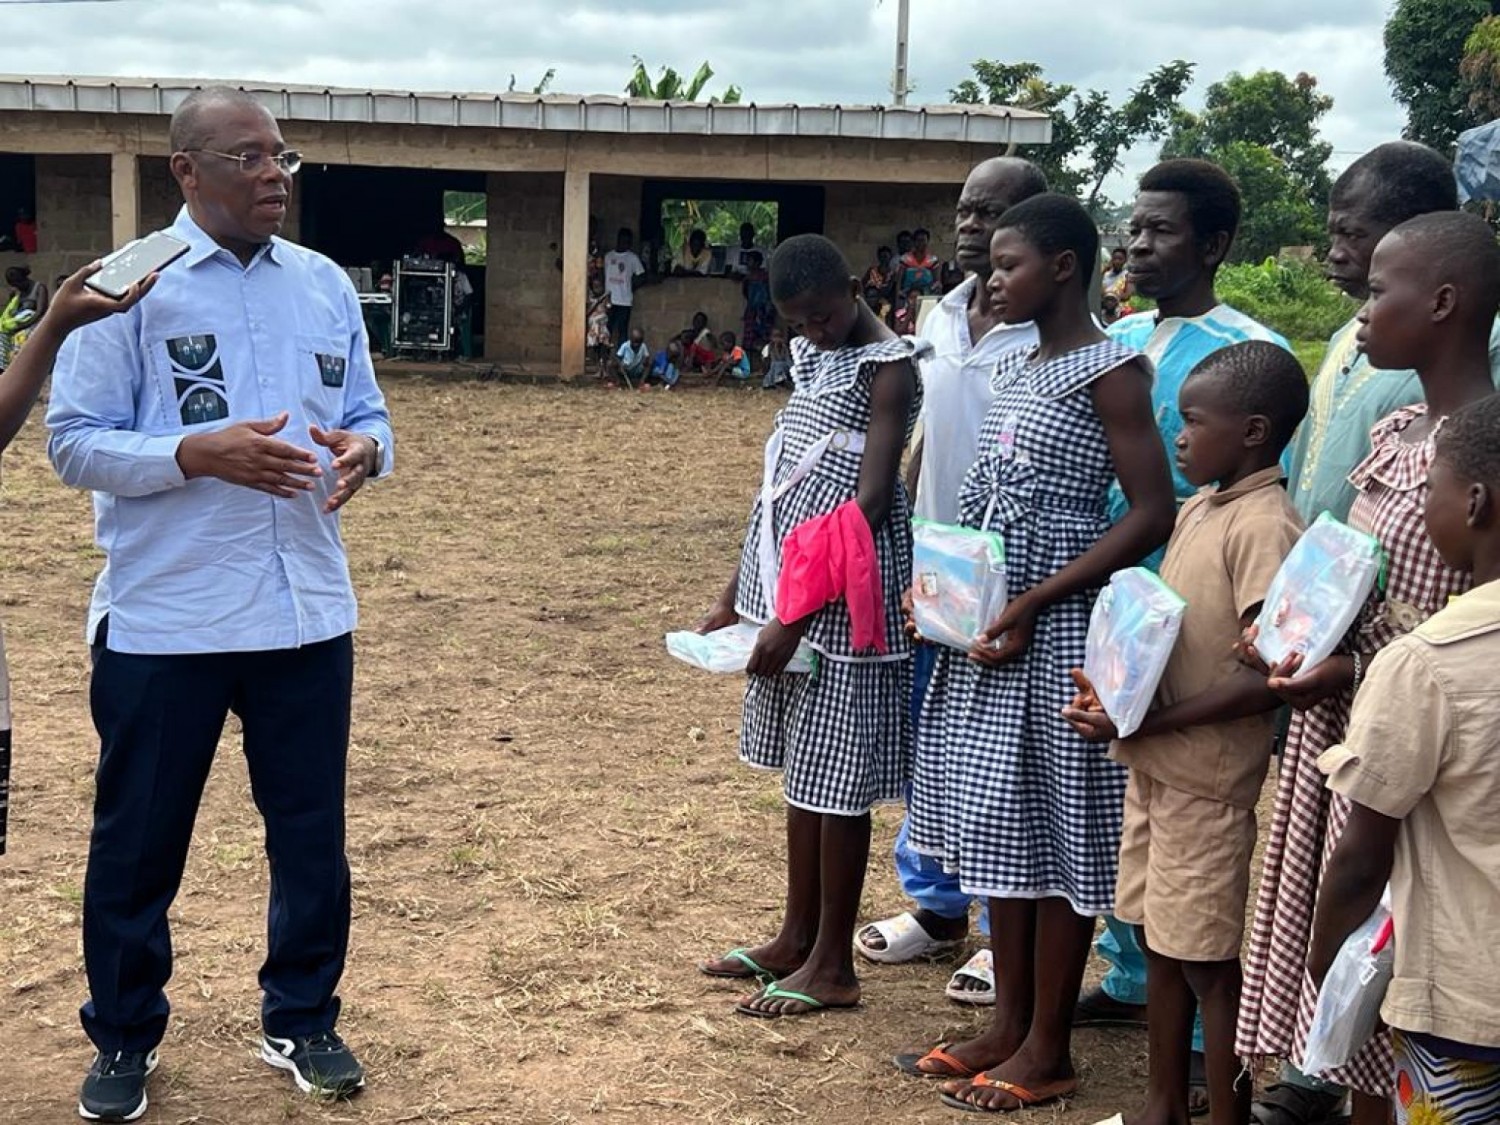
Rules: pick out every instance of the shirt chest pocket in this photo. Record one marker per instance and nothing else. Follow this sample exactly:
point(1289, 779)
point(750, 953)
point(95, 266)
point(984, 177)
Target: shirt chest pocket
point(322, 371)
point(192, 382)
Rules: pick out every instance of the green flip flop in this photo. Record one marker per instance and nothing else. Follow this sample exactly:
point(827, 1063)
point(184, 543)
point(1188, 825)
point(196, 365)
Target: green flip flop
point(750, 969)
point(774, 991)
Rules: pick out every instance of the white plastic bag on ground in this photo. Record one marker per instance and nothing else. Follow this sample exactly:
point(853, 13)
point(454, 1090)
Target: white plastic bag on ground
point(1318, 592)
point(957, 582)
point(1348, 1008)
point(1132, 630)
point(727, 651)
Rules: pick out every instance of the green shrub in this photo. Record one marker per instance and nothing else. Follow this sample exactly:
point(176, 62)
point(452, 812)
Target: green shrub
point(1310, 354)
point(1291, 297)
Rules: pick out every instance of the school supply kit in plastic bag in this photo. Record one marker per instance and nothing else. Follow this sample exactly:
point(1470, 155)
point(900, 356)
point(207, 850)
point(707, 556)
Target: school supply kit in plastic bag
point(957, 582)
point(1318, 592)
point(727, 651)
point(1348, 1008)
point(1132, 630)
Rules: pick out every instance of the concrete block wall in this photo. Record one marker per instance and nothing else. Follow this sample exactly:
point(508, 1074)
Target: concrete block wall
point(615, 201)
point(666, 308)
point(861, 218)
point(72, 215)
point(523, 305)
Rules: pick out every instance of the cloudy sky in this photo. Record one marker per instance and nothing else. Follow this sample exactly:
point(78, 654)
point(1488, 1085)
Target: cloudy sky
point(807, 51)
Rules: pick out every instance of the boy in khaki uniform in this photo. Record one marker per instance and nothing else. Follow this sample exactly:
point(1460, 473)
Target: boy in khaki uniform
point(1199, 760)
point(1421, 764)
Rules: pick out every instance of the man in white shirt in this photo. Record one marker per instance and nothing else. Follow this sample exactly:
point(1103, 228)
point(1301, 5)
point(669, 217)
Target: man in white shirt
point(621, 268)
point(968, 340)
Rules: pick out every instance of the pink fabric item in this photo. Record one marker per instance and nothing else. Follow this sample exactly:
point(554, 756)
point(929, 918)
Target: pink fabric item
point(831, 557)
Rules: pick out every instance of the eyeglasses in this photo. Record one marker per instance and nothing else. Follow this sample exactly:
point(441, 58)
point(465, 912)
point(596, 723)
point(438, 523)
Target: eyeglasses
point(252, 163)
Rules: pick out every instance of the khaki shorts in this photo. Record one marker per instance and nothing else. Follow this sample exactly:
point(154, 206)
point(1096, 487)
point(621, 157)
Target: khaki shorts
point(1184, 870)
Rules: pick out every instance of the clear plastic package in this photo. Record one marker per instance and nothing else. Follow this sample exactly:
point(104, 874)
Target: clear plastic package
point(727, 651)
point(1132, 631)
point(1348, 1010)
point(1317, 593)
point(957, 581)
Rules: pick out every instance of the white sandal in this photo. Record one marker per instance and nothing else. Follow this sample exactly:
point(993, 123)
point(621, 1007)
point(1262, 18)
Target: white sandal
point(981, 968)
point(905, 940)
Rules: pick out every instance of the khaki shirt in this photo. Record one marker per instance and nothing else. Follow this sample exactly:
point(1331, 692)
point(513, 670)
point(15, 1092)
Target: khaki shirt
point(1226, 549)
point(1423, 747)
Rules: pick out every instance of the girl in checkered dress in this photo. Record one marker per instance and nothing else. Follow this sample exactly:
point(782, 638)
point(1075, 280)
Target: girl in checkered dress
point(1451, 359)
point(842, 735)
point(1005, 792)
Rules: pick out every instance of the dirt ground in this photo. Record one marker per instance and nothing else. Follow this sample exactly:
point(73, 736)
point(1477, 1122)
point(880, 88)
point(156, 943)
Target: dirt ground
point(547, 824)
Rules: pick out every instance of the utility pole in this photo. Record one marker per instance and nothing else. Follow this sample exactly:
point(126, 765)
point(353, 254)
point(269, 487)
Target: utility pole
point(903, 26)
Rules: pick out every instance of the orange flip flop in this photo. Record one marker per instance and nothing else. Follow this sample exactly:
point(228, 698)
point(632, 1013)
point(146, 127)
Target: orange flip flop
point(1028, 1099)
point(911, 1063)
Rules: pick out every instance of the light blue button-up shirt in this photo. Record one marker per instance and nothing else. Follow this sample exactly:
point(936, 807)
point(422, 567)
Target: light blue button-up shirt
point(197, 566)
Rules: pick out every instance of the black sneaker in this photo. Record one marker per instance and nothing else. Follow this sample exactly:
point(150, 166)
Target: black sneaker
point(320, 1064)
point(115, 1089)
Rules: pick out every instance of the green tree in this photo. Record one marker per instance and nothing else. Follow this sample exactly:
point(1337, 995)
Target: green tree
point(670, 86)
point(719, 219)
point(1424, 46)
point(1090, 134)
point(1480, 70)
point(1267, 109)
point(1277, 211)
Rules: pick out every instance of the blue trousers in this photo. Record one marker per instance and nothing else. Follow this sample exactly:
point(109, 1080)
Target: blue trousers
point(159, 719)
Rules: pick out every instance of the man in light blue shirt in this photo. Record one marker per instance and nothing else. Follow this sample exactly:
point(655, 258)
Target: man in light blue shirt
point(221, 425)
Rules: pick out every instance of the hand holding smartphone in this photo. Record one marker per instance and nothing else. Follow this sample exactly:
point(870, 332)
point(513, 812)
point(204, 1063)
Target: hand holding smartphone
point(134, 262)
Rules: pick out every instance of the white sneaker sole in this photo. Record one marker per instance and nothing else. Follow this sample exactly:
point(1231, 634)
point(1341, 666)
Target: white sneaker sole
point(135, 1114)
point(281, 1062)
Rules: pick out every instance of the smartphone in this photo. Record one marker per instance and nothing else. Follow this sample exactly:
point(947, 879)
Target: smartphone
point(134, 262)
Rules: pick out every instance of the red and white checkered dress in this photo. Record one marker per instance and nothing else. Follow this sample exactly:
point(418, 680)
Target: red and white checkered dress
point(1279, 997)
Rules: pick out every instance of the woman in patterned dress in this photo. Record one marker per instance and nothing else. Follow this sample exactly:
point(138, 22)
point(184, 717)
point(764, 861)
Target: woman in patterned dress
point(1005, 792)
point(1451, 358)
point(842, 735)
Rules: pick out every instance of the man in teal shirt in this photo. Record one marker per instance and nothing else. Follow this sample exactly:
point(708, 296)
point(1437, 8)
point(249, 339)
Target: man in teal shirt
point(1385, 187)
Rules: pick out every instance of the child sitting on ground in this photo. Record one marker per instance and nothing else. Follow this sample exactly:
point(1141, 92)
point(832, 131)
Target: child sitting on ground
point(731, 361)
point(698, 344)
point(1420, 763)
point(665, 367)
point(633, 358)
point(1199, 760)
point(778, 357)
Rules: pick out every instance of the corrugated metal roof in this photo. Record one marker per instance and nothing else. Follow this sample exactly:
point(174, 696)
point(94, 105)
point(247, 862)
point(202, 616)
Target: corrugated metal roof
point(976, 124)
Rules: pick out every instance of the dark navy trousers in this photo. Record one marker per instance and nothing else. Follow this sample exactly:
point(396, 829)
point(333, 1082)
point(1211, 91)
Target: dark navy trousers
point(159, 720)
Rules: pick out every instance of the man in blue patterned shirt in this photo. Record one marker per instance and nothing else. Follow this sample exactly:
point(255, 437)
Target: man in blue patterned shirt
point(221, 425)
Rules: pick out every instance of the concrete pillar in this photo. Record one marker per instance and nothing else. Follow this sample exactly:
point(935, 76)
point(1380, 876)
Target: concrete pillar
point(124, 197)
point(575, 257)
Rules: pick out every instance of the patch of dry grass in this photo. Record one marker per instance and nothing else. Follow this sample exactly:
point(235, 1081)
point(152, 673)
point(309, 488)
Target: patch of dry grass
point(547, 826)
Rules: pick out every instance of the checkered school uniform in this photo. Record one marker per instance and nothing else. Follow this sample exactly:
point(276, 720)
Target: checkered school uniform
point(841, 735)
point(1006, 793)
point(1278, 1001)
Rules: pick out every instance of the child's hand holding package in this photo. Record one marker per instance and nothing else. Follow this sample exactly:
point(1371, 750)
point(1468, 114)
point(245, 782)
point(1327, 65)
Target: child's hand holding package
point(1086, 714)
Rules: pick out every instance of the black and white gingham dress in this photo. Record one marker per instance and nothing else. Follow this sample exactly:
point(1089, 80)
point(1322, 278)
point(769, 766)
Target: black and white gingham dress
point(1005, 793)
point(842, 735)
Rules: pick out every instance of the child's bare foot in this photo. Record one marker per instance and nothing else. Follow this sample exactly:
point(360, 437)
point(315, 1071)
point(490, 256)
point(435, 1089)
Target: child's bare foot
point(987, 1050)
point(771, 961)
point(804, 991)
point(1020, 1082)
